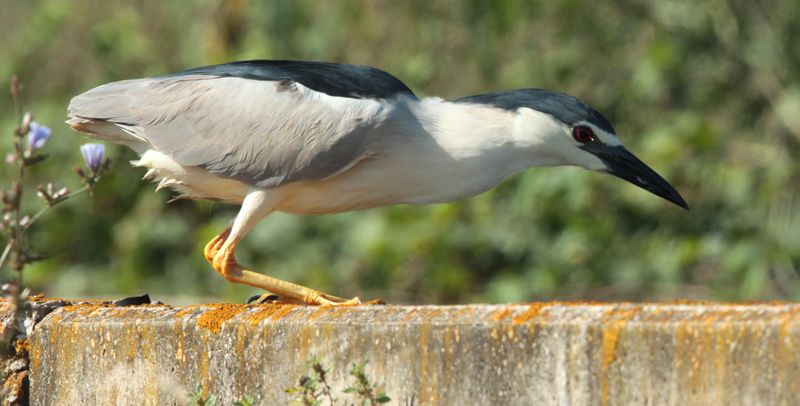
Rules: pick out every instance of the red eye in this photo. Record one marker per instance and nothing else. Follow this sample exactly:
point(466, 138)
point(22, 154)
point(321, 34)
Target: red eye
point(582, 134)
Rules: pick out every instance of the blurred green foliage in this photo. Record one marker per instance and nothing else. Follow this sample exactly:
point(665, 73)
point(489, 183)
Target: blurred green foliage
point(706, 92)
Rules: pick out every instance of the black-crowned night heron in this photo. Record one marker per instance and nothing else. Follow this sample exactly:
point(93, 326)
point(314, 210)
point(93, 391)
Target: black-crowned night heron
point(319, 138)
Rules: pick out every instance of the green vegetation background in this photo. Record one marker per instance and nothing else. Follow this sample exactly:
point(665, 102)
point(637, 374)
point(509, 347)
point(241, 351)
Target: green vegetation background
point(706, 92)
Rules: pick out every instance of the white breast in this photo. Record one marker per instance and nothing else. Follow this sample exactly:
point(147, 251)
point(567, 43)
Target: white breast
point(432, 152)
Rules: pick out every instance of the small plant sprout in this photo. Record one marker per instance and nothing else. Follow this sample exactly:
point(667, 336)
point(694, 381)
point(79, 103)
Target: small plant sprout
point(370, 392)
point(314, 389)
point(248, 400)
point(196, 398)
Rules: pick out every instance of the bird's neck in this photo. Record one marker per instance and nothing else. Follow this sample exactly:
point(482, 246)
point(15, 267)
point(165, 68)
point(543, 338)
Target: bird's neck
point(487, 136)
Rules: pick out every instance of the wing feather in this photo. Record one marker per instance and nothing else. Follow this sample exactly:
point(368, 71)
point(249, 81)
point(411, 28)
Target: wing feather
point(263, 133)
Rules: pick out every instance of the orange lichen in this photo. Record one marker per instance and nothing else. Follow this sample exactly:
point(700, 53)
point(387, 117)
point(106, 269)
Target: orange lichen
point(212, 319)
point(319, 312)
point(22, 346)
point(685, 302)
point(431, 313)
point(533, 310)
point(262, 313)
point(502, 313)
point(185, 311)
point(277, 311)
point(618, 319)
point(410, 314)
point(429, 382)
point(85, 309)
point(16, 386)
point(283, 312)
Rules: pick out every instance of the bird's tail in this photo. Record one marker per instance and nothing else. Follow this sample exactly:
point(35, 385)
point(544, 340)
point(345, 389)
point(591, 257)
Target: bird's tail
point(104, 113)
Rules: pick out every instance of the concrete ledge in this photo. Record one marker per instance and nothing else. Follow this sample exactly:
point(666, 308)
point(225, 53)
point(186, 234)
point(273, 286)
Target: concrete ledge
point(526, 354)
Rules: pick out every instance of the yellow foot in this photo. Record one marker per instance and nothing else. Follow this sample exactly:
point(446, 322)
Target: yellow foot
point(213, 247)
point(220, 253)
point(315, 297)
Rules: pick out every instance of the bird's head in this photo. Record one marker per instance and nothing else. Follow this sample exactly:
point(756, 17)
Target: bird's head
point(563, 130)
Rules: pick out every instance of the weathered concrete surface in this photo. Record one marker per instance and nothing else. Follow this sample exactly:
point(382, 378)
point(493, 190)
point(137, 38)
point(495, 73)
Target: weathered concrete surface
point(15, 327)
point(526, 354)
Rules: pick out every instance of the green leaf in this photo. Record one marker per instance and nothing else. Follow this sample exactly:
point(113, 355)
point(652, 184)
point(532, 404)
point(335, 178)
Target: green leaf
point(382, 398)
point(350, 390)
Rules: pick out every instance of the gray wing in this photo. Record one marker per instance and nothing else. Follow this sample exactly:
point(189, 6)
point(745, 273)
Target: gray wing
point(263, 133)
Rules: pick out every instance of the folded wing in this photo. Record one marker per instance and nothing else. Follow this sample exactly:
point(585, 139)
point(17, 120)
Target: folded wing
point(262, 132)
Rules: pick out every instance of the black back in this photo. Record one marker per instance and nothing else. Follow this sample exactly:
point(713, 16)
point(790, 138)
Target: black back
point(334, 79)
point(564, 107)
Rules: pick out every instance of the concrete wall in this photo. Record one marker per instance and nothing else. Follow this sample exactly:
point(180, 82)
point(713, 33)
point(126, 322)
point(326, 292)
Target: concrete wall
point(526, 354)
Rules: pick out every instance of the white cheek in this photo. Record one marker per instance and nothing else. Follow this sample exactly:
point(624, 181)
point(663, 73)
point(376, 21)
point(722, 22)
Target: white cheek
point(578, 157)
point(596, 164)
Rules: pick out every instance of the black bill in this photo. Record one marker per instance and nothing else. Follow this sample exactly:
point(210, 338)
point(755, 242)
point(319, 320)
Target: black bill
point(624, 165)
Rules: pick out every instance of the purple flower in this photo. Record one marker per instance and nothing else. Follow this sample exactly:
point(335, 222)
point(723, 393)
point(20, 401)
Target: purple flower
point(37, 136)
point(93, 155)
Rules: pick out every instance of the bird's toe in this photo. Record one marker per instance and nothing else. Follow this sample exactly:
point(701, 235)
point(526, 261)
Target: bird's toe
point(215, 245)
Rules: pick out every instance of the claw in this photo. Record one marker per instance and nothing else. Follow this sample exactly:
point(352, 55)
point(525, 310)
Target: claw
point(269, 298)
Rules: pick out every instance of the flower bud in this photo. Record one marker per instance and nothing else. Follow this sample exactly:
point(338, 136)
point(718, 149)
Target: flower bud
point(26, 122)
point(93, 155)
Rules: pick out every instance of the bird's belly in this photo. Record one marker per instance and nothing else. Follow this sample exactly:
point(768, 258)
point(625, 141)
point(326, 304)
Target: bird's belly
point(190, 181)
point(368, 185)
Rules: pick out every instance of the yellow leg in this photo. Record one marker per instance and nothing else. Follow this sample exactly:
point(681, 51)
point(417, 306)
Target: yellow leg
point(220, 253)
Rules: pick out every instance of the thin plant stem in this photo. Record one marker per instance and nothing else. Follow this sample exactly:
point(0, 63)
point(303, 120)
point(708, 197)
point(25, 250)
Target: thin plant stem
point(327, 391)
point(5, 254)
point(18, 242)
point(49, 206)
point(17, 104)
